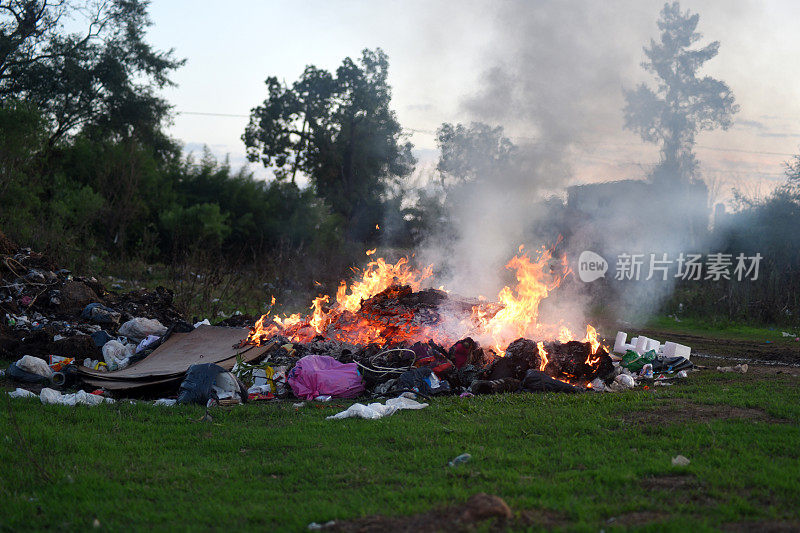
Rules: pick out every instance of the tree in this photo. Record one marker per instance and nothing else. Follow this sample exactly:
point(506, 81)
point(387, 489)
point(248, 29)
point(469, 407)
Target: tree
point(474, 152)
point(104, 78)
point(337, 130)
point(682, 104)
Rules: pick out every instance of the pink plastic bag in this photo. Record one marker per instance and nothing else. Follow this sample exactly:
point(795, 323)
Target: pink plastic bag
point(321, 375)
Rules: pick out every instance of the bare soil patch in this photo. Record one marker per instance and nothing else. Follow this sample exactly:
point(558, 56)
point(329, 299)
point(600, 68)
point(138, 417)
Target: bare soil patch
point(481, 510)
point(764, 526)
point(637, 518)
point(755, 350)
point(681, 410)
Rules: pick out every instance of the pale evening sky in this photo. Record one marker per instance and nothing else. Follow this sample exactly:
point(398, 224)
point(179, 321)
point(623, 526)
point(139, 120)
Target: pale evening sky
point(438, 52)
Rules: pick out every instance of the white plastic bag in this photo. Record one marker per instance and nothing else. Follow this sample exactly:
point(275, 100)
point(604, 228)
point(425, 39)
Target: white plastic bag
point(139, 328)
point(116, 354)
point(377, 410)
point(21, 393)
point(34, 365)
point(50, 396)
point(146, 342)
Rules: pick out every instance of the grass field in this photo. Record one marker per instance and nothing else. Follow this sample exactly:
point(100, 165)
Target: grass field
point(583, 462)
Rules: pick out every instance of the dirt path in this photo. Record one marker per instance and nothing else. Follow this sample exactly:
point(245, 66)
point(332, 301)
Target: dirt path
point(733, 349)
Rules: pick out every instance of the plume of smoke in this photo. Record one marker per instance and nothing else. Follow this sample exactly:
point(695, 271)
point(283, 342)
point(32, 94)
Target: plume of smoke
point(555, 82)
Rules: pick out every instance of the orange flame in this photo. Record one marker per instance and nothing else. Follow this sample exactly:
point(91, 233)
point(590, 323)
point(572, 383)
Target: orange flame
point(543, 352)
point(517, 311)
point(591, 338)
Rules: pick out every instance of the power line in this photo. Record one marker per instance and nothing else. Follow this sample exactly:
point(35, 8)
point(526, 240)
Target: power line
point(601, 143)
point(203, 114)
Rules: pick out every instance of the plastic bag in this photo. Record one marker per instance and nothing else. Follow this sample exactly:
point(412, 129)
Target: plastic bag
point(147, 342)
point(116, 354)
point(137, 329)
point(376, 410)
point(50, 396)
point(635, 362)
point(21, 393)
point(321, 375)
point(210, 382)
point(34, 365)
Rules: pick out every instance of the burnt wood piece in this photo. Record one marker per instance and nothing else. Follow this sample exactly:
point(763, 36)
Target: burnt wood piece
point(571, 360)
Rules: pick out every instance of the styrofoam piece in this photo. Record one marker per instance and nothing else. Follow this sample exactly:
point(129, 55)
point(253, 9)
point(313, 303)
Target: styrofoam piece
point(673, 349)
point(621, 343)
point(642, 344)
point(653, 344)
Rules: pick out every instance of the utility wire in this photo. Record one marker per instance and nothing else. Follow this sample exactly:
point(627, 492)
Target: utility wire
point(432, 132)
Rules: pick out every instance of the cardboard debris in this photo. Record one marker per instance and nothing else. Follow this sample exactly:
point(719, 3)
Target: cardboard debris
point(169, 362)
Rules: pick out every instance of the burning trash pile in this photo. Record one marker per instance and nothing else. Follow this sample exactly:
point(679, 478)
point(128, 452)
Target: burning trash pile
point(383, 335)
point(386, 335)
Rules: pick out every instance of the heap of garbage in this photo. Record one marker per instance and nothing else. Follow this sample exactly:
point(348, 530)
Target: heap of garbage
point(72, 341)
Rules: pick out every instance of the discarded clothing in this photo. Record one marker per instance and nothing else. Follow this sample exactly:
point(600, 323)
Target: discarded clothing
point(422, 380)
point(321, 375)
point(538, 381)
point(100, 314)
point(495, 386)
point(376, 410)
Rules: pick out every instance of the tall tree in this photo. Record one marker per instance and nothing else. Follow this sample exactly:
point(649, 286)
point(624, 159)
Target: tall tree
point(339, 131)
point(477, 151)
point(682, 103)
point(103, 78)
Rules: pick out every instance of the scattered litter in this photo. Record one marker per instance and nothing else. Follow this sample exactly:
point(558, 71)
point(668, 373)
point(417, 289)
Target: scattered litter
point(314, 526)
point(463, 458)
point(680, 460)
point(51, 396)
point(741, 369)
point(22, 393)
point(376, 410)
point(167, 402)
point(642, 344)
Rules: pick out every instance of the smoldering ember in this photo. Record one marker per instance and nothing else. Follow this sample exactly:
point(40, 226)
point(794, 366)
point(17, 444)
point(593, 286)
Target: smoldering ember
point(381, 266)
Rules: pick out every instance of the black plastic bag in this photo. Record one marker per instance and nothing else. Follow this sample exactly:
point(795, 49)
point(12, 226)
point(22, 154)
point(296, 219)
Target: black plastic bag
point(16, 373)
point(197, 386)
point(671, 364)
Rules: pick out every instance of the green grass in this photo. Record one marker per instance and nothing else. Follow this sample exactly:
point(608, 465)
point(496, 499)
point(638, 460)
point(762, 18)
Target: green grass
point(272, 466)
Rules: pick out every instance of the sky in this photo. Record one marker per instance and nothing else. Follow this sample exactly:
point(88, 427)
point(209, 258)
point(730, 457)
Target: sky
point(564, 66)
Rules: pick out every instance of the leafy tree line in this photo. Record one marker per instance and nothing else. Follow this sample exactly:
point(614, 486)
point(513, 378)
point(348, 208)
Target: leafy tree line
point(86, 165)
